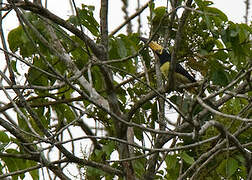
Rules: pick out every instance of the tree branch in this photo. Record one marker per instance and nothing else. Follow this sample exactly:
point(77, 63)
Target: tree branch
point(177, 44)
point(129, 19)
point(97, 50)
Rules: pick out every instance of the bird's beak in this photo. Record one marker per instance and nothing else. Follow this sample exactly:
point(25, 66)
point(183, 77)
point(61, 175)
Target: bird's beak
point(153, 45)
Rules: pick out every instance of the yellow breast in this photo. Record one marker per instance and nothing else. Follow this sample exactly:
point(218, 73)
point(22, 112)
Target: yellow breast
point(178, 78)
point(165, 69)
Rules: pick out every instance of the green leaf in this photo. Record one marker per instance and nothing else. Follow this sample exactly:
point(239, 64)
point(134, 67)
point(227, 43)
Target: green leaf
point(34, 173)
point(240, 158)
point(97, 78)
point(36, 77)
point(98, 155)
point(228, 167)
point(172, 164)
point(14, 38)
point(171, 161)
point(18, 40)
point(154, 113)
point(158, 14)
point(122, 95)
point(69, 114)
point(188, 159)
point(233, 33)
point(203, 4)
point(4, 137)
point(79, 54)
point(14, 66)
point(2, 146)
point(199, 3)
point(14, 164)
point(148, 105)
point(208, 44)
point(221, 55)
point(109, 148)
point(139, 167)
point(41, 114)
point(218, 73)
point(64, 112)
point(146, 57)
point(160, 20)
point(21, 122)
point(138, 133)
point(217, 13)
point(219, 44)
point(208, 22)
point(219, 77)
point(123, 46)
point(94, 173)
point(244, 32)
point(86, 19)
point(122, 51)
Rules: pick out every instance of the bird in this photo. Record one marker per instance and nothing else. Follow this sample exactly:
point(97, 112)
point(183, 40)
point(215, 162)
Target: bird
point(181, 76)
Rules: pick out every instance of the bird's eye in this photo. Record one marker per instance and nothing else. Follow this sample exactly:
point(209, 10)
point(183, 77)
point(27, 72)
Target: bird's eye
point(159, 51)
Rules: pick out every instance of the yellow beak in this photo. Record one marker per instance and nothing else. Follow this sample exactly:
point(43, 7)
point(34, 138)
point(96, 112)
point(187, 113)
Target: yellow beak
point(153, 45)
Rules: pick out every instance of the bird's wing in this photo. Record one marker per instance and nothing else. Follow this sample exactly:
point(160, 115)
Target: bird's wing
point(179, 69)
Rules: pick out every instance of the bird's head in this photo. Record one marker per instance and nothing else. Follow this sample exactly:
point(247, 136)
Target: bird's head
point(153, 45)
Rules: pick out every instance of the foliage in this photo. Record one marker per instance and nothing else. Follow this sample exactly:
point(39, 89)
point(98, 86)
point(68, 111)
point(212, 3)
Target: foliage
point(72, 81)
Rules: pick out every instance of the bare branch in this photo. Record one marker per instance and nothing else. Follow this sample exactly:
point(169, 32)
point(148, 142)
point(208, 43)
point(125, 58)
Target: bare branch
point(139, 11)
point(222, 114)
